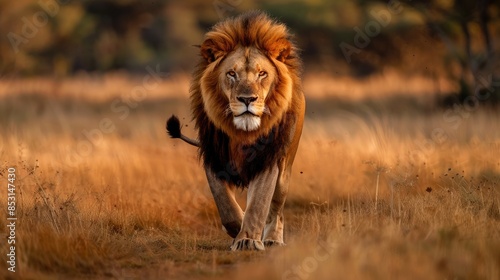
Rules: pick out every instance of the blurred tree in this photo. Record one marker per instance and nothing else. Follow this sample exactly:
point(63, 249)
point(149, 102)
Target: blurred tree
point(56, 37)
point(467, 23)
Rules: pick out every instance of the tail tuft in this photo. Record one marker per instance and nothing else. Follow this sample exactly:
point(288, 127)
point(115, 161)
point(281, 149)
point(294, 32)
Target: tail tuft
point(174, 127)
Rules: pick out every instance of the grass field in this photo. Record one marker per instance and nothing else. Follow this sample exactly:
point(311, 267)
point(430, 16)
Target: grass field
point(386, 185)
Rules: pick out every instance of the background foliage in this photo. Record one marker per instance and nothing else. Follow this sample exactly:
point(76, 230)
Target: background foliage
point(63, 37)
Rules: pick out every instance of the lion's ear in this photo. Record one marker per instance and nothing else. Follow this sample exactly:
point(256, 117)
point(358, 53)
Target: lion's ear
point(280, 49)
point(211, 51)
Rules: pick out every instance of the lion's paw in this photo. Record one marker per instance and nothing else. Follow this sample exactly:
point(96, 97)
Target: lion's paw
point(247, 244)
point(273, 243)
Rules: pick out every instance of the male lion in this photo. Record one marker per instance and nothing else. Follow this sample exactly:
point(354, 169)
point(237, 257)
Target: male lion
point(248, 105)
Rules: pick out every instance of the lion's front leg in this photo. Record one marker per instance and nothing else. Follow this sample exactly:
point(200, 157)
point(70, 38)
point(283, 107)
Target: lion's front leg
point(230, 212)
point(273, 231)
point(260, 193)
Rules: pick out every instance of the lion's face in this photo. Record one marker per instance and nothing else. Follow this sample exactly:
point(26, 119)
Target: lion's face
point(246, 78)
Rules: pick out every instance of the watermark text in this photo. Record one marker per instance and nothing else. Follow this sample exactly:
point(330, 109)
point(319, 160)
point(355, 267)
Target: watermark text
point(11, 219)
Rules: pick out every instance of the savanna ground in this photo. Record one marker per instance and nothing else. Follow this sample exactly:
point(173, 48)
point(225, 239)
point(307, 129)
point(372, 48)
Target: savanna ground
point(386, 185)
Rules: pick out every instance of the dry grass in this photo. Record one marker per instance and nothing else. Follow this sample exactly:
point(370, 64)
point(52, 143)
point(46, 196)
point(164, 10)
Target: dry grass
point(135, 204)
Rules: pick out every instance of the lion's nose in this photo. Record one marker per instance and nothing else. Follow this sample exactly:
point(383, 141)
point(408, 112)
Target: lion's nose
point(246, 100)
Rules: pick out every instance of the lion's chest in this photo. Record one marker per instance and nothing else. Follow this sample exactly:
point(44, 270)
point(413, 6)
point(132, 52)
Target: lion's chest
point(239, 163)
point(242, 157)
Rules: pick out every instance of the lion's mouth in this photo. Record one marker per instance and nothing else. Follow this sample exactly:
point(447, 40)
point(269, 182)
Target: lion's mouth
point(247, 113)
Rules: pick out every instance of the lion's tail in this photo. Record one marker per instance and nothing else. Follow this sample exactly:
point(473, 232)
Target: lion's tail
point(174, 130)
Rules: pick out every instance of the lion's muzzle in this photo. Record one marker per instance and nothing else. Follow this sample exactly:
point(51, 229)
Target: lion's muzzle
point(246, 115)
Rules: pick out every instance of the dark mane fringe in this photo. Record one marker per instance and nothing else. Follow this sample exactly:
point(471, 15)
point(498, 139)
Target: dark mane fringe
point(230, 160)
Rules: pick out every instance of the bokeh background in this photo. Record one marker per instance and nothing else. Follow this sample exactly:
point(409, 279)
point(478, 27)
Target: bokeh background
point(454, 39)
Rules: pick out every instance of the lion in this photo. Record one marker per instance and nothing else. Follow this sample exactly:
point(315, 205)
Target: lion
point(248, 107)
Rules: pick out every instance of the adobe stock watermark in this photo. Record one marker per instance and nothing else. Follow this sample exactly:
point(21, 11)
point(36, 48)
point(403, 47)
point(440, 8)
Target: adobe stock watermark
point(11, 219)
point(31, 25)
point(303, 271)
point(224, 8)
point(362, 38)
point(121, 108)
point(455, 116)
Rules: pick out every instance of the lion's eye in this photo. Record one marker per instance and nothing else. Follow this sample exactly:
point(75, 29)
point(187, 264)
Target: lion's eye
point(262, 73)
point(231, 74)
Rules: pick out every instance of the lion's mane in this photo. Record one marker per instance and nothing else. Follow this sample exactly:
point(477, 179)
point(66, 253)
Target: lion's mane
point(234, 155)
